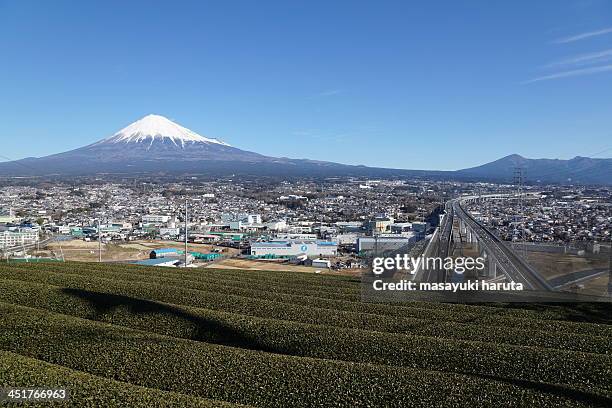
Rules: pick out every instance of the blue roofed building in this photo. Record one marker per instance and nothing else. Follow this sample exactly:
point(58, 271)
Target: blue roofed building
point(167, 262)
point(291, 248)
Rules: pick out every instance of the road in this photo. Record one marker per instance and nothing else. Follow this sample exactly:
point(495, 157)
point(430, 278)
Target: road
point(577, 277)
point(511, 264)
point(440, 247)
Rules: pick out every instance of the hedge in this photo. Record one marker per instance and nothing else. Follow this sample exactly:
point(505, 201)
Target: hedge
point(254, 377)
point(86, 390)
point(306, 310)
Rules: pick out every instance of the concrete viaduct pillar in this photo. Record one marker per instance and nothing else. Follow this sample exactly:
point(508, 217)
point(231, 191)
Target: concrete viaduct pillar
point(484, 273)
point(491, 266)
point(493, 269)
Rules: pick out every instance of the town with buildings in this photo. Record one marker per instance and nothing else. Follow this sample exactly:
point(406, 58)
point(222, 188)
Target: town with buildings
point(332, 224)
point(284, 220)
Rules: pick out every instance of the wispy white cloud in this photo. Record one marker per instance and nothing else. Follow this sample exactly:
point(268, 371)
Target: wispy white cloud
point(583, 59)
point(583, 36)
point(572, 73)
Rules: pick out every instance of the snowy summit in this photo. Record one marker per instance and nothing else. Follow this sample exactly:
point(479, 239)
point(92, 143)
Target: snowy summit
point(157, 127)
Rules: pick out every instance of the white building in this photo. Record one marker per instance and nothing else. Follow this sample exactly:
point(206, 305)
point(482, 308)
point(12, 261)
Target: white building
point(300, 229)
point(167, 231)
point(242, 217)
point(321, 263)
point(295, 248)
point(155, 218)
point(280, 225)
point(292, 197)
point(346, 239)
point(296, 236)
point(61, 229)
point(244, 226)
point(24, 236)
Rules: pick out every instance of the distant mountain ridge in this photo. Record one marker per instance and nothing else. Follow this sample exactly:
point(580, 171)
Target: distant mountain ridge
point(579, 170)
point(155, 144)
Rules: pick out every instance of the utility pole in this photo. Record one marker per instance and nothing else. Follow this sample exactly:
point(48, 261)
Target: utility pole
point(186, 235)
point(423, 211)
point(99, 242)
point(610, 268)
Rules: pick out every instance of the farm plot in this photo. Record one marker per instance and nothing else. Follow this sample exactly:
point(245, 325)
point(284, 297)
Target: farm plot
point(208, 337)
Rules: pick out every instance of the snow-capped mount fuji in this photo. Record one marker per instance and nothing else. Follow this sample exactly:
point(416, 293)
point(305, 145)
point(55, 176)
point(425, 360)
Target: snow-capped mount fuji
point(155, 144)
point(157, 128)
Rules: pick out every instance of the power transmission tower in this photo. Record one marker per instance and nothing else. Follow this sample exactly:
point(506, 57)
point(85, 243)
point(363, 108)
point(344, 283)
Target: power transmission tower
point(518, 182)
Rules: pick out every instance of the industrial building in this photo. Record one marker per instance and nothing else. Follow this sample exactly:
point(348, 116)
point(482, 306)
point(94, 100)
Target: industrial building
point(381, 244)
point(173, 253)
point(167, 262)
point(170, 253)
point(346, 238)
point(291, 248)
point(155, 219)
point(380, 224)
point(164, 252)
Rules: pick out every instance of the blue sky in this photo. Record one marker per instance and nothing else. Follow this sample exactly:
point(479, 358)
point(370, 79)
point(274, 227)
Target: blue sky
point(436, 85)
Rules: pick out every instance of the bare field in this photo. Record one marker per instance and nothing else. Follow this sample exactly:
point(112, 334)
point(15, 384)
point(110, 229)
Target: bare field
point(555, 265)
point(248, 264)
point(596, 286)
point(87, 251)
point(251, 265)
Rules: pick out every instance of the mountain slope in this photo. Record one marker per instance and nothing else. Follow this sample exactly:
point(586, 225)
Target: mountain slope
point(579, 170)
point(155, 144)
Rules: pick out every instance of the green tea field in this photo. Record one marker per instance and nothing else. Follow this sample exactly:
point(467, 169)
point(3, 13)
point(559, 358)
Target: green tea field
point(119, 335)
